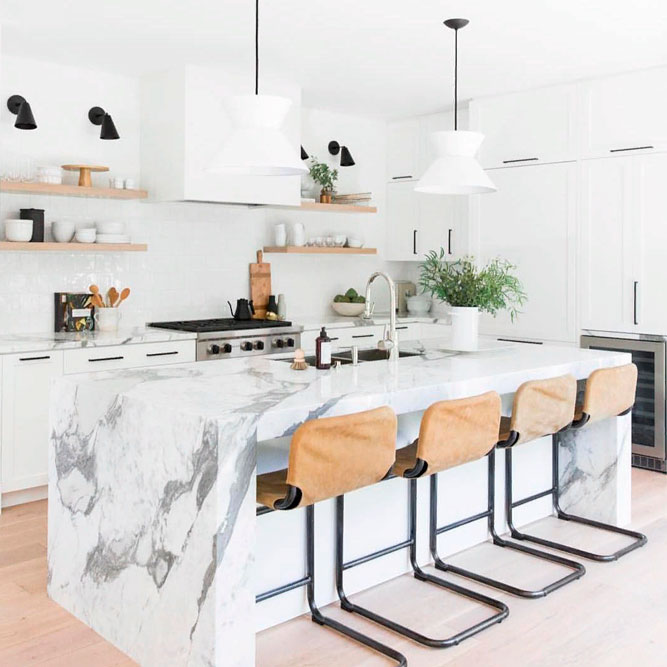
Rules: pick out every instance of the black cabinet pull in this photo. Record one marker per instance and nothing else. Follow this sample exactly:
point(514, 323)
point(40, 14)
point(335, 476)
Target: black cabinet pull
point(400, 178)
point(634, 299)
point(523, 159)
point(35, 358)
point(106, 359)
point(397, 328)
point(516, 340)
point(449, 242)
point(160, 354)
point(414, 241)
point(336, 338)
point(633, 148)
point(363, 336)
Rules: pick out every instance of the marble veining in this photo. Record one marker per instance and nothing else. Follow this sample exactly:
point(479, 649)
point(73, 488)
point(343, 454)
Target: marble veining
point(151, 480)
point(12, 343)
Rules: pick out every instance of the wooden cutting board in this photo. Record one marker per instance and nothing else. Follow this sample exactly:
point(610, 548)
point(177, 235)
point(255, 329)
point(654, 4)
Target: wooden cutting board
point(260, 285)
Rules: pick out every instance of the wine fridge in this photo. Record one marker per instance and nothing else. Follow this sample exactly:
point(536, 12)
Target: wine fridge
point(648, 414)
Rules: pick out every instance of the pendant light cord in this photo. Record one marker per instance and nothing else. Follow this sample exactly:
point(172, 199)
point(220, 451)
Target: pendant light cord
point(456, 79)
point(256, 47)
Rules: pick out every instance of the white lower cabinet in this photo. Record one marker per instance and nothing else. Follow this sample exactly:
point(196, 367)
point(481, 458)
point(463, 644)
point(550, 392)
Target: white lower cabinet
point(25, 397)
point(26, 387)
point(530, 222)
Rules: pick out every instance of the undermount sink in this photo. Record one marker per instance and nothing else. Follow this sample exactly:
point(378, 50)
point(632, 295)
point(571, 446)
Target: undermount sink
point(345, 358)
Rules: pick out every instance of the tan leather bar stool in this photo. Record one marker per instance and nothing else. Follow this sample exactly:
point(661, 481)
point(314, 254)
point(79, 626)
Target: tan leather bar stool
point(451, 433)
point(541, 407)
point(328, 457)
point(610, 392)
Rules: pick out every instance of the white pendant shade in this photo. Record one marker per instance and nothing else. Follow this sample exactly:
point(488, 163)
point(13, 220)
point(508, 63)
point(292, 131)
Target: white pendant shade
point(455, 171)
point(257, 145)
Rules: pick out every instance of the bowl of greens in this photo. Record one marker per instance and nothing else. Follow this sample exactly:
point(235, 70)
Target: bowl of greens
point(350, 304)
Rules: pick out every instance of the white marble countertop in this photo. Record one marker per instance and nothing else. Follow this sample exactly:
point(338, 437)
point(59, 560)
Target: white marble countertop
point(34, 342)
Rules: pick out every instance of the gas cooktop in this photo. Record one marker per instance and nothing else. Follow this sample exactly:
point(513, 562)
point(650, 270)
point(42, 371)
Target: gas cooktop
point(221, 324)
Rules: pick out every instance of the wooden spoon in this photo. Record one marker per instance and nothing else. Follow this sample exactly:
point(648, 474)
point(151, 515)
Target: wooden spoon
point(97, 299)
point(113, 296)
point(123, 295)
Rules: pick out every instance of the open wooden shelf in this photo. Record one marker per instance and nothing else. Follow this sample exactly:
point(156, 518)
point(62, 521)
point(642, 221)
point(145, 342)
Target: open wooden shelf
point(70, 190)
point(72, 247)
point(319, 250)
point(333, 208)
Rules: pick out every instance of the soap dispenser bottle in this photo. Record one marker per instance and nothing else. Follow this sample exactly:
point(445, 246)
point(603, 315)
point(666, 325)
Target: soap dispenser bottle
point(323, 350)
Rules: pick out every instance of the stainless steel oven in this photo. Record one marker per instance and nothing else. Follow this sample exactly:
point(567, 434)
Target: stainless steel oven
point(648, 414)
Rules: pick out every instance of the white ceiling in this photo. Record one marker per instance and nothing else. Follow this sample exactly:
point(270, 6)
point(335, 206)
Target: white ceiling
point(390, 58)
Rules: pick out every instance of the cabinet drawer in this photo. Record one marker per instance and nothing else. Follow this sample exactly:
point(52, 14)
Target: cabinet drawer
point(88, 360)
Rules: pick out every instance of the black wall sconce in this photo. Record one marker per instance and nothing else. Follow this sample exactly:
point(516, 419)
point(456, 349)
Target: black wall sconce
point(346, 159)
point(21, 109)
point(304, 155)
point(98, 116)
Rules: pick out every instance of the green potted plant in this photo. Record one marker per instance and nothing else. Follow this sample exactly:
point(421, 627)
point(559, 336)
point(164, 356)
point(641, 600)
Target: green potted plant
point(469, 290)
point(325, 177)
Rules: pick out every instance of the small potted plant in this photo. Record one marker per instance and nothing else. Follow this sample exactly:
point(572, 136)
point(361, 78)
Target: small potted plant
point(470, 290)
point(325, 177)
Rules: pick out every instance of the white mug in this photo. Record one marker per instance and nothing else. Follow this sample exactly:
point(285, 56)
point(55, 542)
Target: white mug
point(107, 319)
point(280, 232)
point(298, 234)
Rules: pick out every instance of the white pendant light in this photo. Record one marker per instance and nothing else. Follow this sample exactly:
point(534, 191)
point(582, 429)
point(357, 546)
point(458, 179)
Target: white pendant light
point(257, 145)
point(455, 171)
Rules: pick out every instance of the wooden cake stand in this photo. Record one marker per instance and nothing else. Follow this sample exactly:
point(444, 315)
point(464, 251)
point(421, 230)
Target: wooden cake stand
point(84, 172)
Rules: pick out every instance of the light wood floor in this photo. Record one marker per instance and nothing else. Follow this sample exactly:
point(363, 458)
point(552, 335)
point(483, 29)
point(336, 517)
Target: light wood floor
point(615, 615)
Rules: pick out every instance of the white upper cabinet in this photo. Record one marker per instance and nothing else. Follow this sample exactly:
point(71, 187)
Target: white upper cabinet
point(184, 124)
point(531, 127)
point(530, 222)
point(624, 114)
point(402, 223)
point(403, 151)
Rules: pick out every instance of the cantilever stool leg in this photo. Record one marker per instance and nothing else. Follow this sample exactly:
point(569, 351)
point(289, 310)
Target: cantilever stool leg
point(610, 392)
point(430, 453)
point(550, 406)
point(359, 447)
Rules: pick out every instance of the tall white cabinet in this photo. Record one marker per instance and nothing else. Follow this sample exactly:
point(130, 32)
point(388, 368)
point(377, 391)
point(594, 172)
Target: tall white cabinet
point(623, 241)
point(531, 222)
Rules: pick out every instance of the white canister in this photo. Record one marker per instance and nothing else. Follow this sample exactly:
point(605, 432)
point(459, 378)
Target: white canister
point(107, 319)
point(465, 328)
point(298, 234)
point(280, 235)
point(282, 307)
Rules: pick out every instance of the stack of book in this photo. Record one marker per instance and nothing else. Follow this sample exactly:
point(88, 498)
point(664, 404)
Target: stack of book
point(357, 199)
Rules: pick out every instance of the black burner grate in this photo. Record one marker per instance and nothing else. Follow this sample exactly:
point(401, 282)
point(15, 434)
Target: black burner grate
point(222, 324)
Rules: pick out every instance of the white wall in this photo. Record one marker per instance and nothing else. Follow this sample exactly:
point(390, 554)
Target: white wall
point(198, 253)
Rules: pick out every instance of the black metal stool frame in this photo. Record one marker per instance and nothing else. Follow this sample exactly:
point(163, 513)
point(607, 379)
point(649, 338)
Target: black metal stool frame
point(309, 582)
point(639, 538)
point(578, 570)
point(419, 574)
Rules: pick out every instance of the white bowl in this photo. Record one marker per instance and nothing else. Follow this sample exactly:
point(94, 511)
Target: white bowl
point(340, 240)
point(348, 309)
point(86, 235)
point(18, 230)
point(418, 305)
point(110, 227)
point(62, 231)
point(354, 243)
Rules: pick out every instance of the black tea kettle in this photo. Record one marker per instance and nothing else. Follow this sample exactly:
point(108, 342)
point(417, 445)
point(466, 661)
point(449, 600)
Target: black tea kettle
point(244, 309)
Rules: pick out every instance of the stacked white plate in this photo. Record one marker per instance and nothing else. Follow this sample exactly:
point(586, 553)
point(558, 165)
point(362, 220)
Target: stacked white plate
point(111, 232)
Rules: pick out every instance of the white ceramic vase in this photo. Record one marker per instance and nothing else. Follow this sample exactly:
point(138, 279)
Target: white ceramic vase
point(465, 328)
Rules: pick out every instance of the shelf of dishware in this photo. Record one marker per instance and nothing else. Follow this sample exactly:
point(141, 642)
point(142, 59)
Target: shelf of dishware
point(319, 250)
point(64, 190)
point(332, 208)
point(17, 246)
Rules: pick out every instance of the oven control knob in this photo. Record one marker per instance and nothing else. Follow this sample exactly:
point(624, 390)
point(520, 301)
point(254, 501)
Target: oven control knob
point(290, 342)
point(247, 346)
point(214, 349)
point(280, 343)
point(259, 345)
point(227, 348)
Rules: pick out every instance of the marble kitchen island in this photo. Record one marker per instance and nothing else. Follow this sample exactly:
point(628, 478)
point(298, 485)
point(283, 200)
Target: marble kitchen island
point(152, 527)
